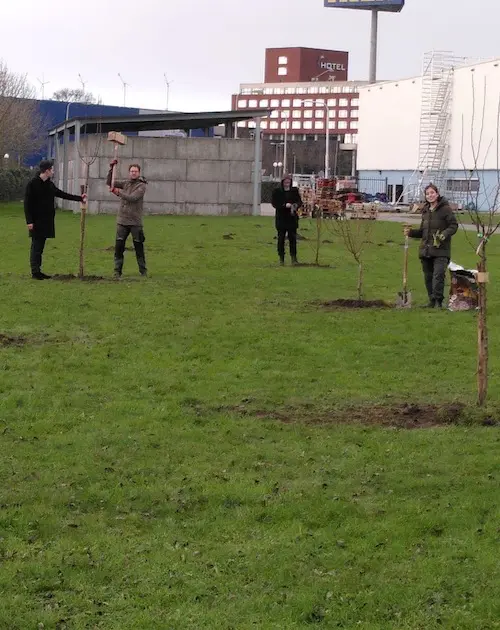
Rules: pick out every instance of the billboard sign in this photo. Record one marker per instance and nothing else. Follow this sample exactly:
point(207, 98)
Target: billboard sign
point(381, 5)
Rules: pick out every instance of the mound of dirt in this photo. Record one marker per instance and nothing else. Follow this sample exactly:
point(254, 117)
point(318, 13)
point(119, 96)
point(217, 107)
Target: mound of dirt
point(70, 277)
point(401, 416)
point(8, 340)
point(335, 304)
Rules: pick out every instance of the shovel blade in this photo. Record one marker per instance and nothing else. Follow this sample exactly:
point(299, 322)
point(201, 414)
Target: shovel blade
point(404, 299)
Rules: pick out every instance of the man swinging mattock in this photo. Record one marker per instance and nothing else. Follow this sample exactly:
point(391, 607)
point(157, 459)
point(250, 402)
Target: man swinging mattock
point(129, 219)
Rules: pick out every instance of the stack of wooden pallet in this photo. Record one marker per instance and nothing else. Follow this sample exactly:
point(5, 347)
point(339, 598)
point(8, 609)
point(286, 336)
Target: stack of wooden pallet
point(308, 199)
point(362, 211)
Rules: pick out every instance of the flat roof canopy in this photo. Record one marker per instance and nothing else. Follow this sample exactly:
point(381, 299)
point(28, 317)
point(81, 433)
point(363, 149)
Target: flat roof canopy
point(158, 122)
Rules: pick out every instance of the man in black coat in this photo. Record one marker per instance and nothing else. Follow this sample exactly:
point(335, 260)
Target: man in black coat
point(40, 211)
point(286, 200)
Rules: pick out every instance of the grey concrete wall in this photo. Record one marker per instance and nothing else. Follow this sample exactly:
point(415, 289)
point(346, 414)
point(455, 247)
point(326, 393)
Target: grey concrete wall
point(207, 176)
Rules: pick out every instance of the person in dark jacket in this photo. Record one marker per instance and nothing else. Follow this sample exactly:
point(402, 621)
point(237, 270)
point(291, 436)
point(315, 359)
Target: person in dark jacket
point(40, 211)
point(438, 225)
point(286, 200)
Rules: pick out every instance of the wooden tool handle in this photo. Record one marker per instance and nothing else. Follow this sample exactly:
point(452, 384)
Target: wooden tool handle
point(405, 267)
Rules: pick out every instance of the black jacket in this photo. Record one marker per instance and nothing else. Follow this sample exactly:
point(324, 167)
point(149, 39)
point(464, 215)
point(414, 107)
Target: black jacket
point(39, 207)
point(441, 220)
point(285, 220)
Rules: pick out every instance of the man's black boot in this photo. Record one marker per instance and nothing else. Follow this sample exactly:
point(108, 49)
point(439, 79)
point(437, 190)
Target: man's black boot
point(119, 252)
point(141, 259)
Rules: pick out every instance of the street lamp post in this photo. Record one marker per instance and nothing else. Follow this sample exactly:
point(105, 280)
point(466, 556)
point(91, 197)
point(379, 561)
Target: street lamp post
point(327, 132)
point(285, 152)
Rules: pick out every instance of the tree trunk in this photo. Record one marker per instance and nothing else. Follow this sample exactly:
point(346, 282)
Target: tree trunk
point(83, 216)
point(482, 336)
point(360, 281)
point(319, 218)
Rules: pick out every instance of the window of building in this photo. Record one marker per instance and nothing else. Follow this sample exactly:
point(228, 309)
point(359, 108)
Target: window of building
point(285, 124)
point(354, 138)
point(308, 124)
point(264, 103)
point(343, 102)
point(323, 90)
point(319, 113)
point(296, 124)
point(242, 123)
point(319, 101)
point(242, 103)
point(285, 113)
point(332, 113)
point(297, 113)
point(331, 124)
point(275, 102)
point(290, 90)
point(275, 114)
point(355, 102)
point(332, 102)
point(252, 124)
point(342, 124)
point(343, 113)
point(297, 102)
point(319, 124)
point(263, 124)
point(347, 89)
point(282, 71)
point(282, 61)
point(462, 185)
point(252, 103)
point(308, 113)
point(312, 90)
point(354, 113)
point(354, 124)
point(285, 102)
point(268, 91)
point(336, 89)
point(273, 124)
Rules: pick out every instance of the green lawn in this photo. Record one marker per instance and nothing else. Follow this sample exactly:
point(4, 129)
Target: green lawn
point(148, 484)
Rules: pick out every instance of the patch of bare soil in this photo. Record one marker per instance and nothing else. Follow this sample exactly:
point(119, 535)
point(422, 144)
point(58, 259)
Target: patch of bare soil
point(401, 416)
point(70, 277)
point(9, 340)
point(335, 304)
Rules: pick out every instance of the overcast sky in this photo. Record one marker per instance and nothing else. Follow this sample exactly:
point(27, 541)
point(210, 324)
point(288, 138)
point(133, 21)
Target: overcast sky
point(208, 47)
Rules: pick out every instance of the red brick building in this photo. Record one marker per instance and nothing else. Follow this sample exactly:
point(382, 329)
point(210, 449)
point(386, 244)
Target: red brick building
point(309, 92)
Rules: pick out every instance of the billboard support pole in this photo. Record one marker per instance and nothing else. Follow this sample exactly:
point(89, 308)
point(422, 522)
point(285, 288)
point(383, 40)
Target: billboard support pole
point(373, 46)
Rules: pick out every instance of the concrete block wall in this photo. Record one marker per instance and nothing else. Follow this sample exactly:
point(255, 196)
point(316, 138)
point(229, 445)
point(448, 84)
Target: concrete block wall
point(206, 176)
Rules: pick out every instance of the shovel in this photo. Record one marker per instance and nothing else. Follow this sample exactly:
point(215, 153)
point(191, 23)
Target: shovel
point(404, 297)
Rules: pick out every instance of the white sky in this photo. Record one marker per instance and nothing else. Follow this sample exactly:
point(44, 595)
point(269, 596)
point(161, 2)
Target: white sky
point(207, 48)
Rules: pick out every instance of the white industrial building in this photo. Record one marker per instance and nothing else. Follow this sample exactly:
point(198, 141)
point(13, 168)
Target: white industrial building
point(441, 127)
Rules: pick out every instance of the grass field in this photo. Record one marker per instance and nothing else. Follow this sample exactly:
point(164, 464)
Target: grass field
point(210, 449)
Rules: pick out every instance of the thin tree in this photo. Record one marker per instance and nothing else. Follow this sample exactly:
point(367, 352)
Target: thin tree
point(21, 124)
point(87, 158)
point(355, 234)
point(486, 221)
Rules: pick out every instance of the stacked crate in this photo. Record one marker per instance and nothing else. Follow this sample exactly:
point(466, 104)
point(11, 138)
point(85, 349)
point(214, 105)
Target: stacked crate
point(308, 198)
point(362, 211)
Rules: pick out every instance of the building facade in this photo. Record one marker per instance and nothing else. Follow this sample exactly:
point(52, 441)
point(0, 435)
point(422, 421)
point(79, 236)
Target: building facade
point(310, 95)
point(411, 134)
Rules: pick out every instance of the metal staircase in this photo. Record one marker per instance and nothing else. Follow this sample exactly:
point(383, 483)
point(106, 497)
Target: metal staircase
point(435, 123)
